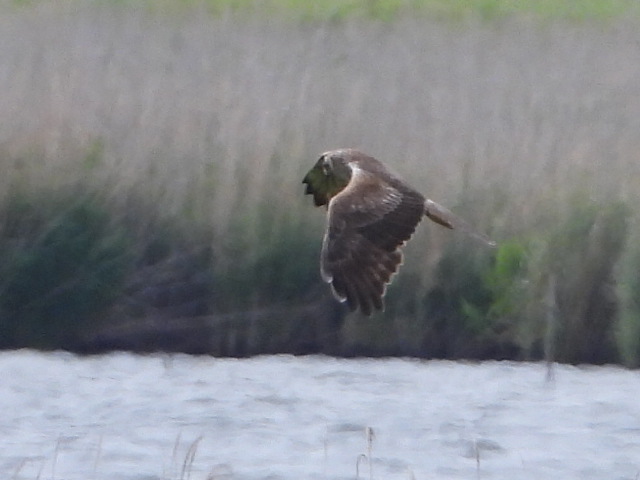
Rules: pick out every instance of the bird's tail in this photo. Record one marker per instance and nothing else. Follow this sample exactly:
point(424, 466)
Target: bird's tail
point(443, 216)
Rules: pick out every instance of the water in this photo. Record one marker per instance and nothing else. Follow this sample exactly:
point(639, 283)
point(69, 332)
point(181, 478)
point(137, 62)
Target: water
point(126, 417)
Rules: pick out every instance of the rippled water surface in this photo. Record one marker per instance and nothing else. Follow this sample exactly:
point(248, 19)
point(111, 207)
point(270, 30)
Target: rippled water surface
point(125, 416)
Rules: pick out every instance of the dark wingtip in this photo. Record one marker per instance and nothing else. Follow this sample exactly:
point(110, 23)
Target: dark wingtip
point(370, 309)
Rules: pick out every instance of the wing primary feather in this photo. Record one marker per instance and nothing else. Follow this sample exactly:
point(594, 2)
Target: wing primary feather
point(350, 294)
point(359, 285)
point(338, 290)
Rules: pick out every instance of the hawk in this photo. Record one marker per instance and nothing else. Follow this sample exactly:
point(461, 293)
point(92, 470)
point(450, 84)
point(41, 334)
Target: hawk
point(371, 214)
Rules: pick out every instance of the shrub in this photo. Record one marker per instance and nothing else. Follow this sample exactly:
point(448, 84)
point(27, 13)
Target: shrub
point(270, 257)
point(628, 290)
point(581, 254)
point(63, 262)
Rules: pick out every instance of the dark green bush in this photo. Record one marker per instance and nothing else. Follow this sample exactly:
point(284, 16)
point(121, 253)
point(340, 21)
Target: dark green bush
point(458, 304)
point(271, 258)
point(583, 249)
point(628, 290)
point(63, 262)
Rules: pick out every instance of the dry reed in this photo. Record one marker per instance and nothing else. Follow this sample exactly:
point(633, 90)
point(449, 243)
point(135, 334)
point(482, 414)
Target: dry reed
point(212, 120)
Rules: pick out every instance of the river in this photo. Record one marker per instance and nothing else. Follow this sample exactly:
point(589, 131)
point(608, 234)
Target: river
point(159, 417)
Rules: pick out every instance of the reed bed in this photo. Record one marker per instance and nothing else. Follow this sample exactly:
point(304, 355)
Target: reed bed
point(183, 136)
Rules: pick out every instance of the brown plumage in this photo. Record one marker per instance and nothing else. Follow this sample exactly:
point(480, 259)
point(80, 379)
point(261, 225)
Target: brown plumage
point(371, 215)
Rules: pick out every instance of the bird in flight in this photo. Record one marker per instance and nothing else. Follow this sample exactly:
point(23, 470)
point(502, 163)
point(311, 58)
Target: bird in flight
point(371, 214)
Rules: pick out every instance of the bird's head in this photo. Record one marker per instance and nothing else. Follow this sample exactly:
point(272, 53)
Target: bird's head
point(329, 176)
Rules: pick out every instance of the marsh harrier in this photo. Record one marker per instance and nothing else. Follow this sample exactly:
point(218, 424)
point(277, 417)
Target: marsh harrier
point(371, 214)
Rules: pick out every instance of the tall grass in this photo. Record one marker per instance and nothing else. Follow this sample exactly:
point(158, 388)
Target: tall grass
point(448, 10)
point(628, 295)
point(194, 130)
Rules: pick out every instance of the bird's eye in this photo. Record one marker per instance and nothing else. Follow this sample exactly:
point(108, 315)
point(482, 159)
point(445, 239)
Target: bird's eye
point(326, 166)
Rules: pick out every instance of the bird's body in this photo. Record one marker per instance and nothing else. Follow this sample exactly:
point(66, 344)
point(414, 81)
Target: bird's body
point(371, 214)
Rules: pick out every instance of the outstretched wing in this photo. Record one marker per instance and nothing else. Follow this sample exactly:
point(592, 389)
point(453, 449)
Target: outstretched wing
point(367, 224)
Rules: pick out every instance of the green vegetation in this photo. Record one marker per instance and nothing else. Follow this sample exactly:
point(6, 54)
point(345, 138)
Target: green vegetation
point(628, 296)
point(151, 195)
point(62, 264)
point(489, 10)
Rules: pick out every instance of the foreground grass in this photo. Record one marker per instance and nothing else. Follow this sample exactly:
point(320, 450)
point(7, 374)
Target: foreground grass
point(152, 166)
point(442, 9)
point(490, 10)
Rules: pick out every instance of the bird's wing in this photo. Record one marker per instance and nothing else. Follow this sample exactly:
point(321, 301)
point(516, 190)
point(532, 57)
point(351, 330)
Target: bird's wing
point(367, 224)
point(443, 216)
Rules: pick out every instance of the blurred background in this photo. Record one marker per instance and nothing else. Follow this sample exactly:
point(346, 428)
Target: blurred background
point(152, 155)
